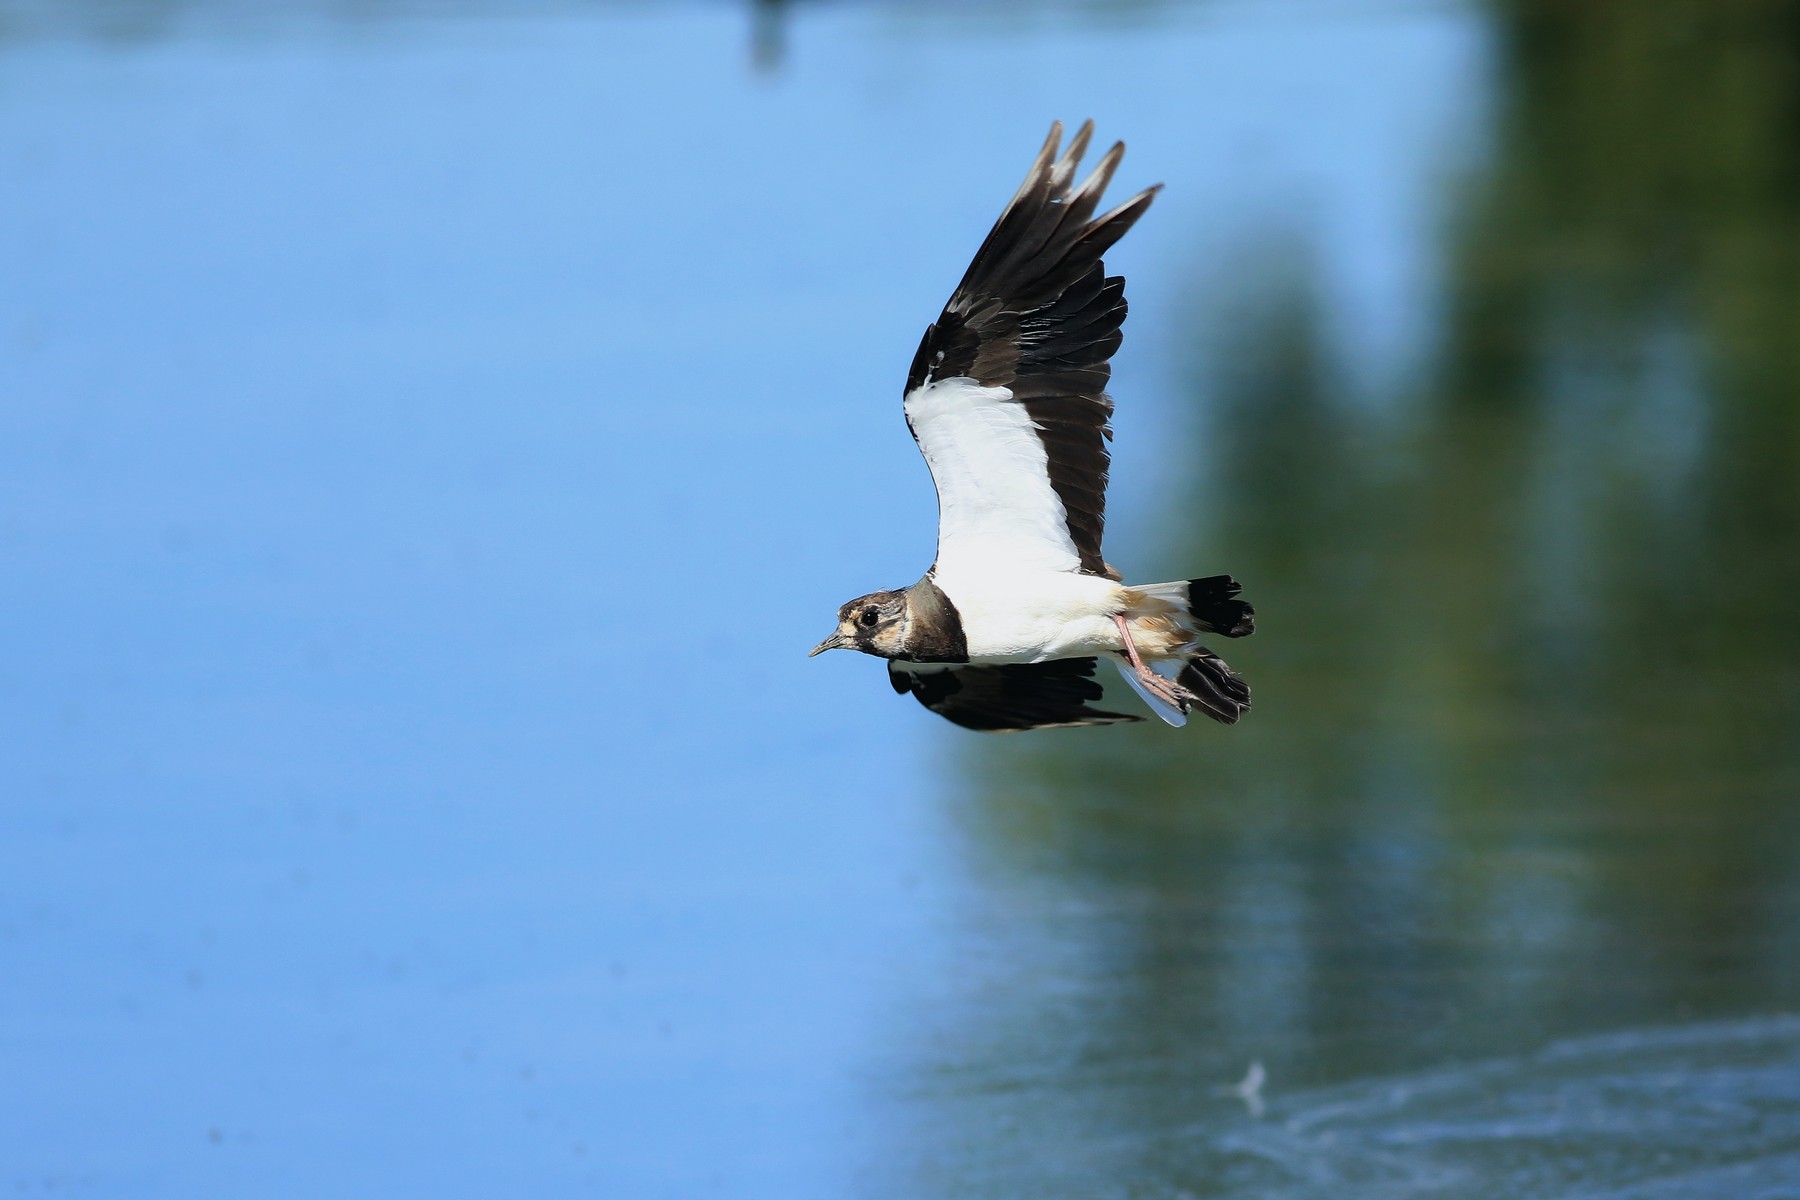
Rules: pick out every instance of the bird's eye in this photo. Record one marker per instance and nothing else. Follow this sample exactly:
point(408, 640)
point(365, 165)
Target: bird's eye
point(870, 616)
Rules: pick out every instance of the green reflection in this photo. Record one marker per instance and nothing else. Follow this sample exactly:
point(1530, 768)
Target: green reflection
point(1524, 757)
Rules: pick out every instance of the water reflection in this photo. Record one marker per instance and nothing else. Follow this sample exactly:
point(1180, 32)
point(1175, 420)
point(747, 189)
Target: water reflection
point(1524, 759)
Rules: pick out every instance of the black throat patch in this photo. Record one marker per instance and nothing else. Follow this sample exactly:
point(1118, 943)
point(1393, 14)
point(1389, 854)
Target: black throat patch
point(934, 631)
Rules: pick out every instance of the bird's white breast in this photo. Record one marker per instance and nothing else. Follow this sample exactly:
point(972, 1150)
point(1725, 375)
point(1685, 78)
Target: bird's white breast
point(1010, 616)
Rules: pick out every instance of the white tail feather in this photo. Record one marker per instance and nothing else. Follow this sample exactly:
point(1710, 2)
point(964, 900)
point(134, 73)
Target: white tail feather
point(1175, 593)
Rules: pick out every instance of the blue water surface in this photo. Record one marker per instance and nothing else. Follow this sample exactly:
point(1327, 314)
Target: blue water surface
point(430, 437)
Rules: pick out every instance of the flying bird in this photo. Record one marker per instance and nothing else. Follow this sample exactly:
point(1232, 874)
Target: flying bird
point(1007, 402)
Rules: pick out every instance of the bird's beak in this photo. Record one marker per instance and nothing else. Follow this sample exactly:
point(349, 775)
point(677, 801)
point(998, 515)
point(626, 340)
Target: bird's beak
point(836, 641)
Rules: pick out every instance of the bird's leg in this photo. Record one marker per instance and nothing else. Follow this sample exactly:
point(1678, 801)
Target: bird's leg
point(1130, 646)
point(1167, 690)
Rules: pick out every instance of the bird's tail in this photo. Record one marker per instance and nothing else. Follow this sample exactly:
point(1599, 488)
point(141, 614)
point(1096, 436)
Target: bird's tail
point(1195, 607)
point(1212, 604)
point(1218, 691)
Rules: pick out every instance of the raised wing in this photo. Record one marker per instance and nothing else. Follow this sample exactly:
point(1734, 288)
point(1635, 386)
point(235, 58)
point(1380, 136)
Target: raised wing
point(1007, 393)
point(1010, 697)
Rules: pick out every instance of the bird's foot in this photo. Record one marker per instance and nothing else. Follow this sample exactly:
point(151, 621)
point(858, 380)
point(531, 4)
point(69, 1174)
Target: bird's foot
point(1166, 690)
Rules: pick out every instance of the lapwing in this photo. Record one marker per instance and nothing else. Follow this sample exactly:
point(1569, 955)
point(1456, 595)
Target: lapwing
point(1007, 402)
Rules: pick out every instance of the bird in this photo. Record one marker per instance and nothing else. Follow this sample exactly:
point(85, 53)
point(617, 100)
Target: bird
point(1006, 399)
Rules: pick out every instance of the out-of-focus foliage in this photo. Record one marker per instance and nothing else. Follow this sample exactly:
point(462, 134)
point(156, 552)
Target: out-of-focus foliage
point(1526, 745)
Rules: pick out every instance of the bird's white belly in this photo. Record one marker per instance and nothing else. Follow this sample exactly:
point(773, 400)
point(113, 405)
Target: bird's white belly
point(1035, 617)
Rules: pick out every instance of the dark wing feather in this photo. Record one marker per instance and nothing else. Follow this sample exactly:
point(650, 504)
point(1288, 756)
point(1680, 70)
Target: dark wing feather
point(1037, 313)
point(1010, 697)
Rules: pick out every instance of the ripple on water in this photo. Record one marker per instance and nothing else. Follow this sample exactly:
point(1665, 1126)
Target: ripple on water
point(1701, 1111)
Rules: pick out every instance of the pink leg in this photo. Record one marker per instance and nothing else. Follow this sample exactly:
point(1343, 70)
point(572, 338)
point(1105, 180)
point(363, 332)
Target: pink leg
point(1130, 646)
point(1169, 691)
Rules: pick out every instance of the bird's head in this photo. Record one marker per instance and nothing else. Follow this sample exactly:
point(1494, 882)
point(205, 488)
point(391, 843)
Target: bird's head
point(873, 624)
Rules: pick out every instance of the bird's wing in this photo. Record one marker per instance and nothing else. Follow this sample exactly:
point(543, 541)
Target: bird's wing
point(1007, 394)
point(1009, 697)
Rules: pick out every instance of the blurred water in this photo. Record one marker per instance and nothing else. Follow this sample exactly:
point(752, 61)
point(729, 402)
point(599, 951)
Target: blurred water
point(431, 434)
point(1705, 1110)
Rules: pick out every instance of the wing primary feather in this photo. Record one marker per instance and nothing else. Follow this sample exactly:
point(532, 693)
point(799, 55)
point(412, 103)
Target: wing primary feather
point(1071, 159)
point(1008, 698)
point(1033, 323)
point(1108, 228)
point(1046, 155)
point(1088, 194)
